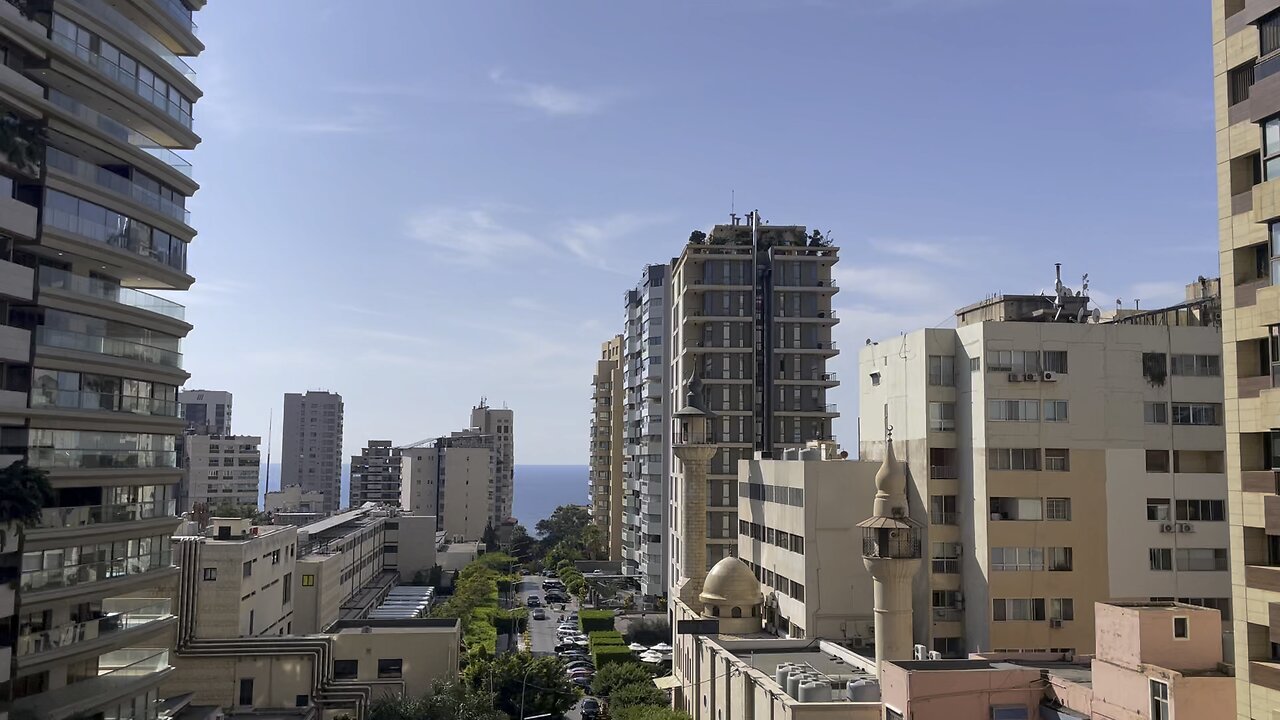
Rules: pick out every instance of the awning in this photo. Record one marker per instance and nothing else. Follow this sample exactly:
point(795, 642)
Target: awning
point(666, 682)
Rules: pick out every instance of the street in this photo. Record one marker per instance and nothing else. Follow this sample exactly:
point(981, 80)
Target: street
point(542, 633)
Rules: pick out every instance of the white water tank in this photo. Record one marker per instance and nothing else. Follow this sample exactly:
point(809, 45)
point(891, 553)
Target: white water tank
point(866, 690)
point(781, 673)
point(793, 683)
point(814, 691)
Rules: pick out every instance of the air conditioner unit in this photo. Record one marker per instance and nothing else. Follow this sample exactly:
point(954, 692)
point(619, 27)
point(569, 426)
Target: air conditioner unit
point(1015, 377)
point(935, 655)
point(958, 549)
point(1167, 528)
point(921, 652)
point(1186, 527)
point(1031, 377)
point(1055, 623)
point(1049, 376)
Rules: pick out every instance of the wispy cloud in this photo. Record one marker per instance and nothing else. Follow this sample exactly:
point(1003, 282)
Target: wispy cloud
point(596, 241)
point(949, 251)
point(550, 99)
point(470, 236)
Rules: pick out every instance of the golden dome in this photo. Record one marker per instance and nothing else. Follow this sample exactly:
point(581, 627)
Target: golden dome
point(731, 583)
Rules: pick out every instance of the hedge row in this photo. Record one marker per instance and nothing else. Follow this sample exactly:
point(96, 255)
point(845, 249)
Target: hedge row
point(605, 654)
point(606, 637)
point(590, 621)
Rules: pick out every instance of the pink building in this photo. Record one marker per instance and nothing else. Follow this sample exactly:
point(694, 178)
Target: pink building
point(1156, 661)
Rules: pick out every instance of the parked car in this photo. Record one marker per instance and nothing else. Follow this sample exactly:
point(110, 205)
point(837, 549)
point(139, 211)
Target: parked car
point(579, 663)
point(539, 614)
point(533, 601)
point(590, 709)
point(582, 682)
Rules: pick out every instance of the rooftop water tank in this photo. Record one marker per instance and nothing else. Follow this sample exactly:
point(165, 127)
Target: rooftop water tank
point(867, 690)
point(814, 691)
point(781, 673)
point(793, 684)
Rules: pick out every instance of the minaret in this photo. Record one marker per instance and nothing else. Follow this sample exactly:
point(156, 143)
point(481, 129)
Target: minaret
point(694, 447)
point(891, 553)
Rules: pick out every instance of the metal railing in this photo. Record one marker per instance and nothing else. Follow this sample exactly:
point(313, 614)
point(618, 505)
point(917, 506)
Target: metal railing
point(128, 349)
point(58, 279)
point(118, 614)
point(877, 544)
point(944, 472)
point(82, 515)
point(179, 12)
point(948, 614)
point(35, 580)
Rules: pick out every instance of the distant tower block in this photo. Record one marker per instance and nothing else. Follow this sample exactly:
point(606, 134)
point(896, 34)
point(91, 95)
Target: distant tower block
point(891, 553)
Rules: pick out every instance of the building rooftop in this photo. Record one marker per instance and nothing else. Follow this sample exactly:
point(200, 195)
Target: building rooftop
point(396, 625)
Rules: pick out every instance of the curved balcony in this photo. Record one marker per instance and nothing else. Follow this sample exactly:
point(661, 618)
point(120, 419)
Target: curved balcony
point(126, 80)
point(124, 134)
point(85, 515)
point(127, 349)
point(101, 177)
point(91, 459)
point(57, 279)
point(118, 615)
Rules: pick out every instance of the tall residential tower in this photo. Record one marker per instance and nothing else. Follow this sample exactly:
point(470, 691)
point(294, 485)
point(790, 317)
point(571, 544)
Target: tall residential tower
point(1246, 55)
point(206, 412)
point(646, 432)
point(605, 472)
point(92, 216)
point(751, 317)
point(375, 474)
point(311, 446)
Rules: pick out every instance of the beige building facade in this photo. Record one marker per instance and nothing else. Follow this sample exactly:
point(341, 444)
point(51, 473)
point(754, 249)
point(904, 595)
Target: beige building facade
point(495, 429)
point(292, 499)
point(797, 532)
point(221, 469)
point(605, 483)
point(452, 481)
point(1247, 100)
point(375, 474)
point(751, 318)
point(1054, 465)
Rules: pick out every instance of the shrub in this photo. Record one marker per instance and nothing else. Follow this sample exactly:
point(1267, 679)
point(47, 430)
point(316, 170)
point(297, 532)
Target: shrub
point(590, 621)
point(646, 712)
point(611, 677)
point(606, 654)
point(606, 637)
point(649, 631)
point(644, 693)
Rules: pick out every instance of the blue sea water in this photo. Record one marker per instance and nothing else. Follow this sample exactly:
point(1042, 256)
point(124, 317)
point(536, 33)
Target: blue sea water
point(539, 488)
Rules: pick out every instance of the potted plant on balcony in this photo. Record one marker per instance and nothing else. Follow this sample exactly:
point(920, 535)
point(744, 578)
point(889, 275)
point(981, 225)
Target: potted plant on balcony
point(24, 492)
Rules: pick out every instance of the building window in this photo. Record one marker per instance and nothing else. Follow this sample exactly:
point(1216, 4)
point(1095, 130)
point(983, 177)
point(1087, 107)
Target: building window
point(248, 568)
point(301, 700)
point(1155, 367)
point(390, 668)
point(1013, 410)
point(1222, 605)
point(1057, 459)
point(1155, 413)
point(942, 370)
point(308, 580)
point(286, 589)
point(210, 573)
point(1055, 361)
point(891, 714)
point(1009, 712)
point(1013, 559)
point(1013, 361)
point(1062, 609)
point(975, 365)
point(1202, 559)
point(942, 416)
point(1195, 365)
point(942, 509)
point(1197, 414)
point(1157, 461)
point(1057, 508)
point(1016, 508)
point(1159, 700)
point(1181, 628)
point(1161, 558)
point(1055, 411)
point(246, 692)
point(1202, 510)
point(275, 557)
point(945, 558)
point(1059, 558)
point(345, 669)
point(1008, 609)
point(1158, 509)
point(1013, 459)
point(950, 647)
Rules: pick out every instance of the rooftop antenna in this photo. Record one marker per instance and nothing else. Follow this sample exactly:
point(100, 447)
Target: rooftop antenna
point(270, 422)
point(733, 209)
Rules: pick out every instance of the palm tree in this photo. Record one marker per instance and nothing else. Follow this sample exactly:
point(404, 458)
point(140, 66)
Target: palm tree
point(22, 142)
point(24, 493)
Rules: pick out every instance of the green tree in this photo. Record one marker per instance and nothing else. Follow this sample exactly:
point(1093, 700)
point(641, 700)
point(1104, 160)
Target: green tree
point(541, 681)
point(697, 237)
point(22, 141)
point(566, 521)
point(24, 492)
point(616, 675)
point(446, 701)
point(228, 509)
point(645, 693)
point(646, 712)
point(649, 631)
point(489, 538)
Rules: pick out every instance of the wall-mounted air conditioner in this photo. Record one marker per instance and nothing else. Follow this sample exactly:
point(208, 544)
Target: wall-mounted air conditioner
point(1049, 376)
point(1168, 528)
point(1015, 377)
point(1055, 623)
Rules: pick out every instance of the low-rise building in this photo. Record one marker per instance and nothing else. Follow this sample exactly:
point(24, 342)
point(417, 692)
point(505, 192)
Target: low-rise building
point(797, 531)
point(1154, 660)
point(293, 500)
point(245, 579)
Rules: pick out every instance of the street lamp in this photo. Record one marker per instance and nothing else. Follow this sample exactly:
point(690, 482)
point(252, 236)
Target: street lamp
point(524, 684)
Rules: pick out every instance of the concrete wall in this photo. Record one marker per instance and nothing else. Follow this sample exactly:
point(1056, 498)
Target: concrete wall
point(415, 537)
point(468, 474)
point(224, 605)
point(278, 680)
point(427, 655)
point(311, 444)
point(945, 695)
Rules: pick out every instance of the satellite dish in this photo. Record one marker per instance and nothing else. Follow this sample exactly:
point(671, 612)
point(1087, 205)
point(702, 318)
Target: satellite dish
point(1097, 315)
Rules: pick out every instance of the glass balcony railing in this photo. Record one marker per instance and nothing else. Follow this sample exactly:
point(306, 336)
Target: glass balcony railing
point(135, 237)
point(127, 349)
point(104, 12)
point(89, 400)
point(120, 132)
point(133, 662)
point(59, 279)
point(118, 75)
point(179, 12)
point(72, 575)
point(93, 459)
point(81, 516)
point(115, 183)
point(118, 614)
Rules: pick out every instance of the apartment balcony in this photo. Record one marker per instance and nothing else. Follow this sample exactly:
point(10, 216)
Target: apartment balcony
point(122, 674)
point(130, 250)
point(1262, 577)
point(822, 286)
point(99, 178)
point(18, 218)
point(1263, 481)
point(15, 344)
point(710, 346)
point(96, 574)
point(816, 411)
point(944, 472)
point(824, 379)
point(1246, 294)
point(1265, 674)
point(821, 317)
point(948, 615)
point(29, 93)
point(1253, 385)
point(74, 518)
point(825, 348)
point(47, 337)
point(719, 283)
point(944, 518)
point(696, 316)
point(124, 621)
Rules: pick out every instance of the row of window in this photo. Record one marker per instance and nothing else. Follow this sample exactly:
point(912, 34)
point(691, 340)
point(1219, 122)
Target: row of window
point(94, 221)
point(1031, 559)
point(1030, 508)
point(780, 538)
point(1029, 362)
point(1026, 410)
point(1188, 559)
point(778, 582)
point(1034, 609)
point(1057, 459)
point(767, 492)
point(89, 391)
point(1187, 510)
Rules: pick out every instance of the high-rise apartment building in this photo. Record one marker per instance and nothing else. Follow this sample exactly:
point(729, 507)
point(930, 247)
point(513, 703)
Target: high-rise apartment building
point(1246, 37)
point(646, 432)
point(375, 474)
point(496, 426)
point(220, 470)
point(1055, 462)
point(311, 446)
point(752, 320)
point(605, 471)
point(95, 98)
point(206, 412)
point(452, 479)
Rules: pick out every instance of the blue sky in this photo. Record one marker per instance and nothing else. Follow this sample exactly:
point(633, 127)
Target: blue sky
point(418, 203)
